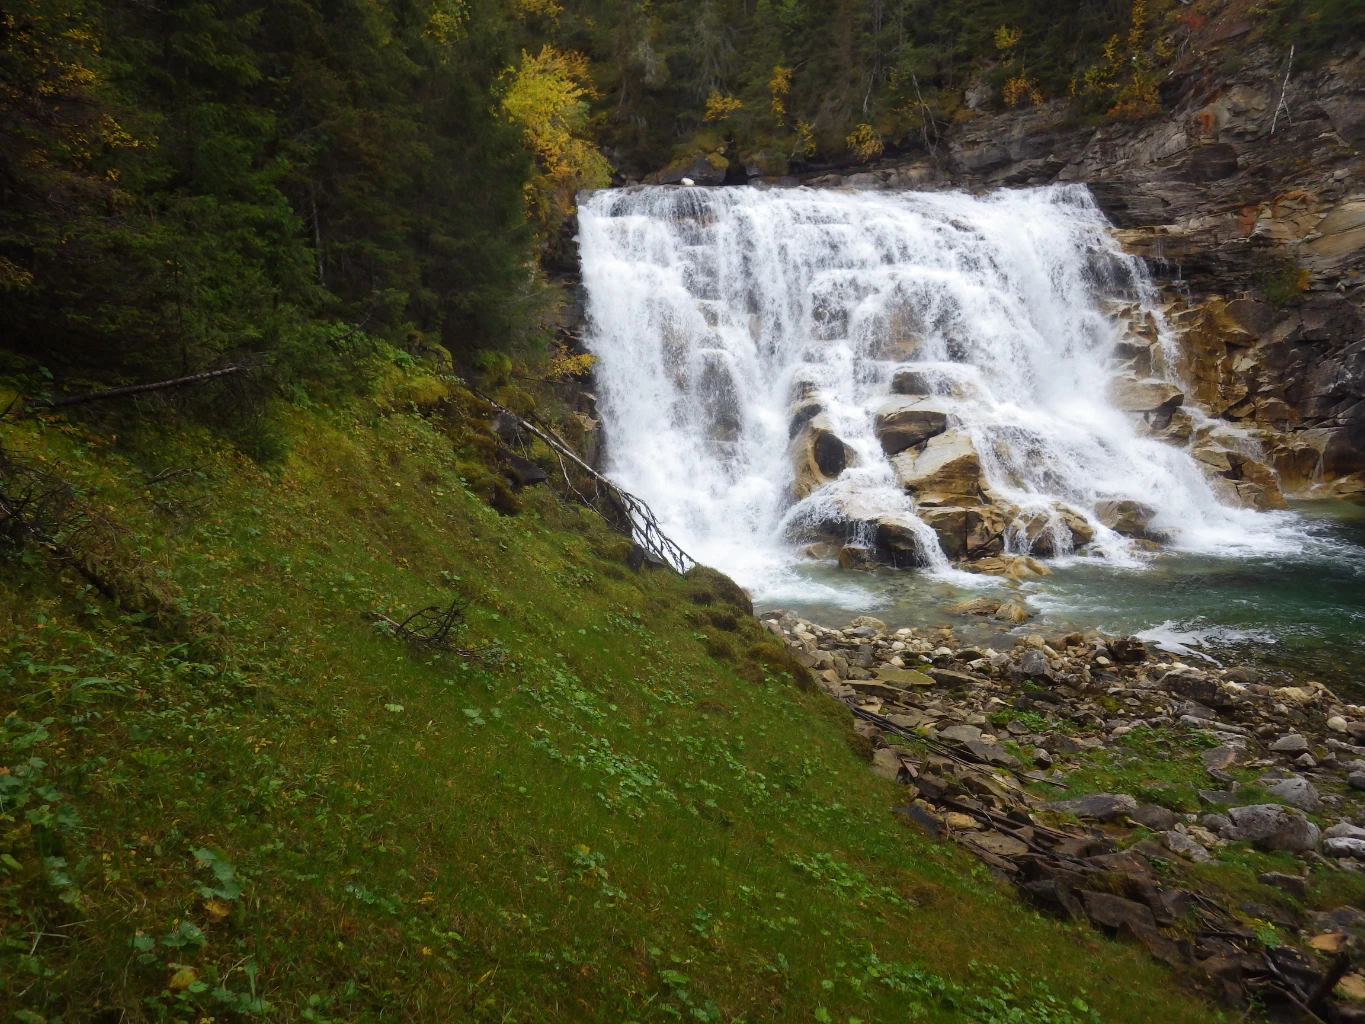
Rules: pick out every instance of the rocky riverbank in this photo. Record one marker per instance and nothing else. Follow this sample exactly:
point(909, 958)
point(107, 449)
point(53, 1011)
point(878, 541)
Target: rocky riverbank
point(1001, 751)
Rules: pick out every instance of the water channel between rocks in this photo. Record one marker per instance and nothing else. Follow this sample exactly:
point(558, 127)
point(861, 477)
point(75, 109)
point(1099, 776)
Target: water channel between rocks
point(777, 368)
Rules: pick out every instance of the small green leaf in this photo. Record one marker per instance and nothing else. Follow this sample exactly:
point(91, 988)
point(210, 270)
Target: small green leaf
point(395, 708)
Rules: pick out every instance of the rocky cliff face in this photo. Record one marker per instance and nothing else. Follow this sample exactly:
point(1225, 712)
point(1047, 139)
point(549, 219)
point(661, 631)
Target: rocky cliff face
point(1247, 199)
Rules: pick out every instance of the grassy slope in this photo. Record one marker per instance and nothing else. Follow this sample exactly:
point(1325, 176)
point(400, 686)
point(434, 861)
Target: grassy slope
point(610, 824)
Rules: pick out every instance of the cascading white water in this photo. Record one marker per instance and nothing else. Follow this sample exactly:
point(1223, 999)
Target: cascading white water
point(705, 306)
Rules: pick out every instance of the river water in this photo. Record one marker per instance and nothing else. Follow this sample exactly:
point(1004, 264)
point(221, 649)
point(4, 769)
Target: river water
point(709, 310)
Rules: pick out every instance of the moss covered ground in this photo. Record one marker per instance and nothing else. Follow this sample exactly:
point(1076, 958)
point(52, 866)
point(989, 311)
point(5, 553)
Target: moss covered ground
point(230, 793)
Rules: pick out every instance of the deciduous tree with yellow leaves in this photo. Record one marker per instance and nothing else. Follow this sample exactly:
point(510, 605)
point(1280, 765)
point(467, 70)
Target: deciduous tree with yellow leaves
point(547, 95)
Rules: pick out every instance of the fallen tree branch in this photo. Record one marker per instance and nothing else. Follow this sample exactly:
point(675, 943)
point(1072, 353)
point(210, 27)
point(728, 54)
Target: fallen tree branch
point(644, 529)
point(136, 389)
point(431, 626)
point(168, 474)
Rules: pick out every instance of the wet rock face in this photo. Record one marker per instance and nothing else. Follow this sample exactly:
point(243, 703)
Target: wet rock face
point(902, 423)
point(946, 471)
point(818, 455)
point(1129, 518)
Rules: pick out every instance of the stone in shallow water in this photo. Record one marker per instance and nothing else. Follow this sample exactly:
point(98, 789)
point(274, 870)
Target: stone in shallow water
point(1013, 611)
point(976, 606)
point(868, 622)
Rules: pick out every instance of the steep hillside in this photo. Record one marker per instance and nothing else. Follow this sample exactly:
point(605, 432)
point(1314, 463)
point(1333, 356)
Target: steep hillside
point(232, 793)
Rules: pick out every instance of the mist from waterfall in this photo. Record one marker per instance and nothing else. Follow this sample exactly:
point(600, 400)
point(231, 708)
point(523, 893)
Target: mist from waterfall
point(709, 308)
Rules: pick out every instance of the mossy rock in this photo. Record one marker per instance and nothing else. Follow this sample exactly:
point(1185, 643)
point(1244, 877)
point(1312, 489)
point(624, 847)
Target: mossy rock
point(708, 580)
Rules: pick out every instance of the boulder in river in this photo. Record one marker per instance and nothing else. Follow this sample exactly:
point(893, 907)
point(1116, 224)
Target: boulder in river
point(1125, 516)
point(976, 606)
point(913, 381)
point(902, 541)
point(1040, 531)
point(802, 413)
point(1133, 394)
point(947, 471)
point(971, 532)
point(902, 423)
point(818, 455)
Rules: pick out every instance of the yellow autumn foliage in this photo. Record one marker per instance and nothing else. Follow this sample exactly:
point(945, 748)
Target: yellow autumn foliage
point(445, 25)
point(865, 143)
point(779, 85)
point(543, 8)
point(1020, 88)
point(565, 365)
point(546, 95)
point(719, 107)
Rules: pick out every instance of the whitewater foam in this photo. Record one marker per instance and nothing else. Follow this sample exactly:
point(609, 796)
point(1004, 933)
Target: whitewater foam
point(706, 307)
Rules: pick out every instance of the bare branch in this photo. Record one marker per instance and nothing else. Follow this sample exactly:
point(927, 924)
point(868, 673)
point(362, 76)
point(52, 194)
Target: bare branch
point(136, 389)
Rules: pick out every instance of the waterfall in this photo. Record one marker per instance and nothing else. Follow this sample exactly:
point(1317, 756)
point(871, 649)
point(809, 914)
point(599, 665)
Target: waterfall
point(732, 324)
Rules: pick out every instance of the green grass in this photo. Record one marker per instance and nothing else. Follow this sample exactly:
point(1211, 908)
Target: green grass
point(1166, 770)
point(238, 798)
